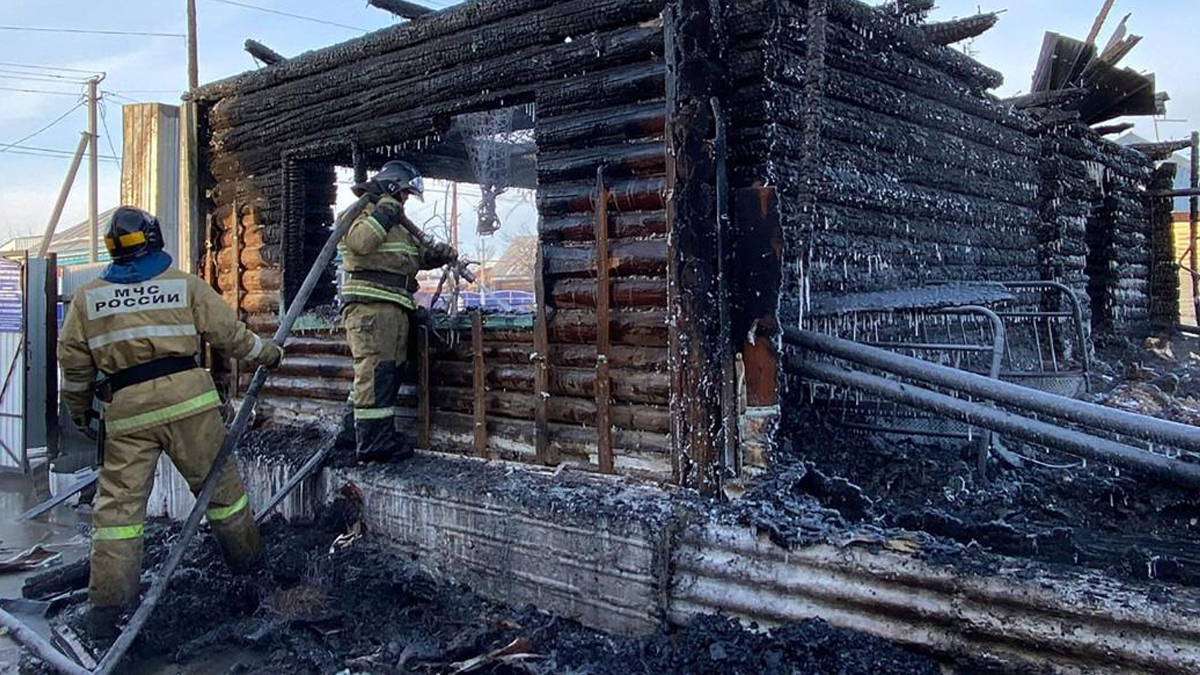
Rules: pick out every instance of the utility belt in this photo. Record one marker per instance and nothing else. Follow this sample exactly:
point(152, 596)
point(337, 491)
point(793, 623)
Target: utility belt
point(390, 279)
point(144, 372)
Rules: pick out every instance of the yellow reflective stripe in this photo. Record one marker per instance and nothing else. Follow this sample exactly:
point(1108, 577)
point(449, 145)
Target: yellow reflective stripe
point(68, 385)
point(133, 238)
point(400, 247)
point(226, 512)
point(165, 414)
point(377, 294)
point(117, 533)
point(374, 413)
point(177, 330)
point(374, 224)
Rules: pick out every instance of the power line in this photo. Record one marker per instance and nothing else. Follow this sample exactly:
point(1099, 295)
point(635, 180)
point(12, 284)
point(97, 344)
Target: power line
point(89, 31)
point(34, 66)
point(48, 152)
point(43, 129)
point(38, 91)
point(107, 133)
point(288, 14)
point(40, 77)
point(27, 153)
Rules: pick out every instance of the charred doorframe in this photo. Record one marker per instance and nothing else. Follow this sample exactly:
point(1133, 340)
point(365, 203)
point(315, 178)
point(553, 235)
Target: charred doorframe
point(305, 212)
point(698, 342)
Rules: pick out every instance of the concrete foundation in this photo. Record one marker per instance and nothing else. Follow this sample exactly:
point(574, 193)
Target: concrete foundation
point(622, 557)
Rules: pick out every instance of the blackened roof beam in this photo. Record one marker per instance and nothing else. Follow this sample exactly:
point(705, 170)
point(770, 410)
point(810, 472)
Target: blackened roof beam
point(957, 30)
point(1164, 149)
point(402, 9)
point(264, 53)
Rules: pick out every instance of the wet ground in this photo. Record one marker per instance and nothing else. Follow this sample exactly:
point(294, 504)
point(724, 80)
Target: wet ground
point(354, 607)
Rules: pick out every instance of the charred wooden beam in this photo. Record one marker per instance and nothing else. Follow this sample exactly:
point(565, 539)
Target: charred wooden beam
point(264, 53)
point(603, 340)
point(694, 52)
point(1162, 150)
point(1110, 129)
point(1048, 99)
point(402, 9)
point(480, 385)
point(957, 30)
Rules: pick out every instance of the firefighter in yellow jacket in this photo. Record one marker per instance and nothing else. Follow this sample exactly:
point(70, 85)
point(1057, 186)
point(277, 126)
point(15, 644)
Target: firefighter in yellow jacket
point(138, 326)
point(381, 259)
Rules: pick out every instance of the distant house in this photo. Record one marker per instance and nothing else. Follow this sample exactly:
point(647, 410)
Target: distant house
point(514, 270)
point(70, 245)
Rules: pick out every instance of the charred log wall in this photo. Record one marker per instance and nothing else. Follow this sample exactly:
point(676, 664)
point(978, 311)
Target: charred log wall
point(895, 165)
point(1164, 272)
point(594, 69)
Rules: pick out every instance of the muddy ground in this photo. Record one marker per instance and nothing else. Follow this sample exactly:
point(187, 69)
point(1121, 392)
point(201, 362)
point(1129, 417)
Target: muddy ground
point(1053, 508)
point(322, 608)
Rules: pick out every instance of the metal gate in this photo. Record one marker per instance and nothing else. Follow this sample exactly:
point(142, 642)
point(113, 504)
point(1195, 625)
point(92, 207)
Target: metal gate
point(13, 455)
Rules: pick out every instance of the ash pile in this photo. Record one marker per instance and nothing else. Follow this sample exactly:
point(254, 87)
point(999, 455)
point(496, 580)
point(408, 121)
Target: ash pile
point(333, 601)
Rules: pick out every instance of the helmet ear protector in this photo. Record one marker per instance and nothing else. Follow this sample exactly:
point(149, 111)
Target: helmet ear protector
point(132, 233)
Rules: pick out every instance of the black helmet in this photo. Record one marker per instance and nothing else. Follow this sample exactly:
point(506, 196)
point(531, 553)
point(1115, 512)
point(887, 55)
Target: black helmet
point(393, 179)
point(132, 233)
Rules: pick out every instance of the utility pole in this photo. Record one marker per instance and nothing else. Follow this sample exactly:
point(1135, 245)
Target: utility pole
point(93, 101)
point(454, 215)
point(61, 202)
point(193, 61)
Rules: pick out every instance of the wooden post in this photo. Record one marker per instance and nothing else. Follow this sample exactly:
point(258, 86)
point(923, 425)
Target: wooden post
point(604, 449)
point(50, 297)
point(541, 372)
point(235, 365)
point(193, 60)
point(481, 438)
point(1194, 225)
point(693, 56)
point(423, 415)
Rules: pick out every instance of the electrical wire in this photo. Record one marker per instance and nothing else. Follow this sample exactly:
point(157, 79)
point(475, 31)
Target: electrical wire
point(39, 77)
point(107, 133)
point(43, 129)
point(38, 91)
point(88, 31)
point(34, 66)
point(288, 14)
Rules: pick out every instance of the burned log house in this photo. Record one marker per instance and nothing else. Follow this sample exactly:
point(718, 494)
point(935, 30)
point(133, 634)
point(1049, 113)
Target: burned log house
point(702, 181)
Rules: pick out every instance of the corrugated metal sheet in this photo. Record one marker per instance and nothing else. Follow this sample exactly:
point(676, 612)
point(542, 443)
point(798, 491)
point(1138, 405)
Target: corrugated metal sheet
point(12, 408)
point(1070, 622)
point(172, 498)
point(71, 278)
point(12, 366)
point(150, 165)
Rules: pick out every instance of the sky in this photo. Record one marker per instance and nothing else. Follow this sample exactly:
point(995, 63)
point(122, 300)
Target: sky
point(151, 68)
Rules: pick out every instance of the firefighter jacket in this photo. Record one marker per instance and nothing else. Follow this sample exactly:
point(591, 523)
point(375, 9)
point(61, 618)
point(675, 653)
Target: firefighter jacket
point(110, 327)
point(382, 264)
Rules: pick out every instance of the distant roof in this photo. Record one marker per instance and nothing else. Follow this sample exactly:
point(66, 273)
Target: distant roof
point(72, 239)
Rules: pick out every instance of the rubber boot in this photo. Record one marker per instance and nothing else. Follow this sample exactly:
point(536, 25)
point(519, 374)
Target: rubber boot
point(378, 441)
point(346, 438)
point(240, 543)
point(101, 625)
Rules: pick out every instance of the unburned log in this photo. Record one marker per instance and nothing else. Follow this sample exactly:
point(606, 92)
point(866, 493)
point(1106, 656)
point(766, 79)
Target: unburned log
point(580, 227)
point(631, 257)
point(259, 280)
point(253, 257)
point(630, 327)
point(630, 386)
point(628, 293)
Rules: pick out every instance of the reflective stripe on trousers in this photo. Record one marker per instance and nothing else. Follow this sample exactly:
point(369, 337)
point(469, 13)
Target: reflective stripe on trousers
point(208, 398)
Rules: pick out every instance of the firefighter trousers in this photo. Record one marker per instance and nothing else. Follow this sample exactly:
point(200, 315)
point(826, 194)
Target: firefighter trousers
point(192, 443)
point(378, 337)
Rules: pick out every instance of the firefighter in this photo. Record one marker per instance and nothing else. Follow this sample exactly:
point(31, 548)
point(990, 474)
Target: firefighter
point(380, 259)
point(138, 326)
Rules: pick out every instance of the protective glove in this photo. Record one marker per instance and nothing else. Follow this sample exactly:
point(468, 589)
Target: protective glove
point(84, 424)
point(388, 213)
point(443, 253)
point(272, 354)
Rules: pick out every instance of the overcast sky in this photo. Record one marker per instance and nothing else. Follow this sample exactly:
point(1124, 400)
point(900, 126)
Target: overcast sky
point(154, 68)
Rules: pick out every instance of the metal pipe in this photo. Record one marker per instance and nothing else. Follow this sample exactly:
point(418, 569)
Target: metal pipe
point(1110, 419)
point(29, 639)
point(1074, 442)
point(113, 658)
point(63, 193)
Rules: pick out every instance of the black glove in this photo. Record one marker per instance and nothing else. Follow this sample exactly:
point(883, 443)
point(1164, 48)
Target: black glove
point(84, 424)
point(443, 253)
point(388, 213)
